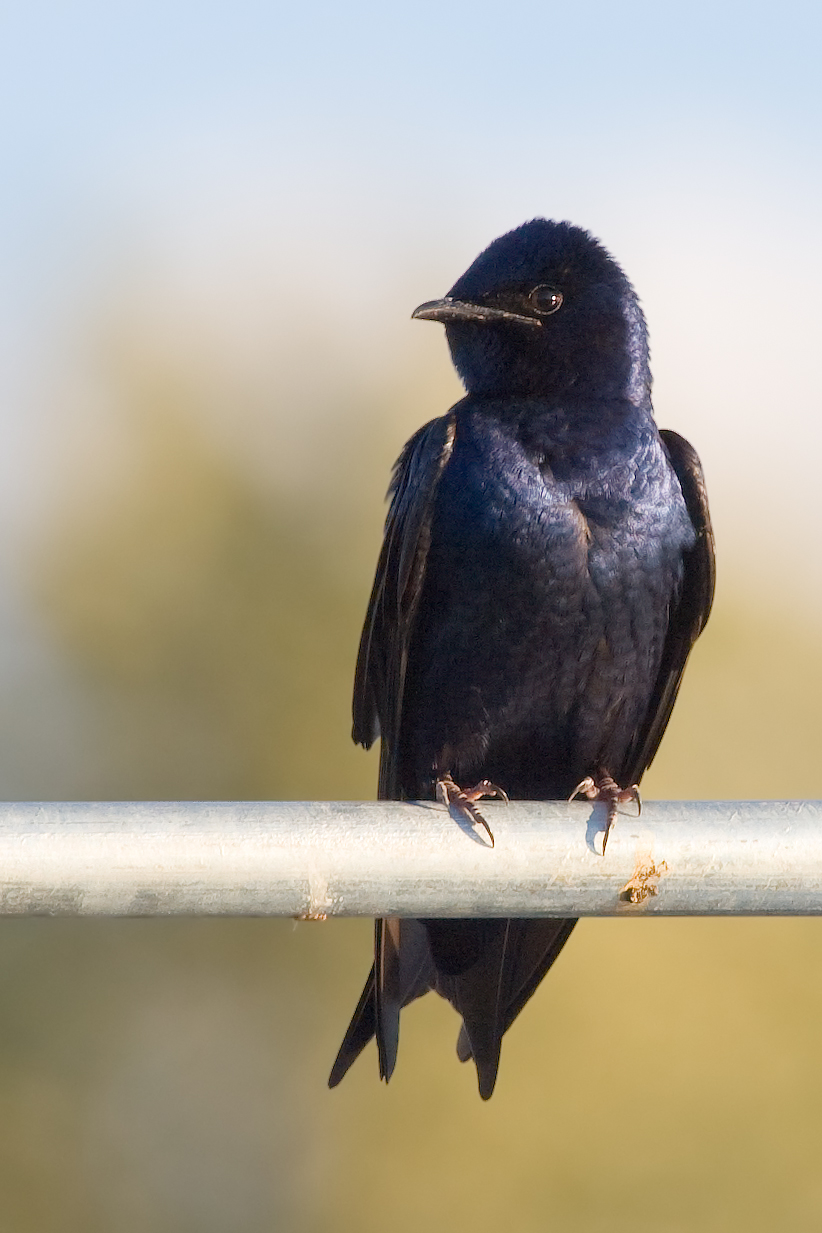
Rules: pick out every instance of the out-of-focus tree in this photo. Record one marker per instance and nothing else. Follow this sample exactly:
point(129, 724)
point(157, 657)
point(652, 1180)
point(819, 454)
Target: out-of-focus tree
point(171, 1074)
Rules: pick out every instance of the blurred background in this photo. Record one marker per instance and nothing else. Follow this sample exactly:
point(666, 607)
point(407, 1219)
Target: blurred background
point(215, 220)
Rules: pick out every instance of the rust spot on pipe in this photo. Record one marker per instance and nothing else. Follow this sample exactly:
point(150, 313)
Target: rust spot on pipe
point(645, 881)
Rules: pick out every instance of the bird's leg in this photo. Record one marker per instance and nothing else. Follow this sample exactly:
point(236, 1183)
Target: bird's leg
point(463, 799)
point(604, 788)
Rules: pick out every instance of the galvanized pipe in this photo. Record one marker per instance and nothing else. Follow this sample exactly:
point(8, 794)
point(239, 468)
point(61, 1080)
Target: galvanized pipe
point(323, 858)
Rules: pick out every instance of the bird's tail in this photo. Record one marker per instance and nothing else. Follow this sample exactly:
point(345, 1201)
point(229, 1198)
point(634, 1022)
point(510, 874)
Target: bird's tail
point(487, 970)
point(402, 971)
point(512, 958)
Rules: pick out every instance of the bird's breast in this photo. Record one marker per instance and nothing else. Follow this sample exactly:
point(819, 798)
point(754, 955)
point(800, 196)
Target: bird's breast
point(548, 508)
point(545, 604)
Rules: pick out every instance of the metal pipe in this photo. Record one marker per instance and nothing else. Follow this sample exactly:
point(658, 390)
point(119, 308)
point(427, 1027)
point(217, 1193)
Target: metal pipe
point(322, 858)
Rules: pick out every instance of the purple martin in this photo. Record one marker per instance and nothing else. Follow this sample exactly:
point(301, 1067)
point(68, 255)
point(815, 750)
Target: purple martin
point(547, 566)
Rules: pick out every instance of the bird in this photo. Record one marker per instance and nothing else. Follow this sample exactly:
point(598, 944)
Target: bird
point(547, 565)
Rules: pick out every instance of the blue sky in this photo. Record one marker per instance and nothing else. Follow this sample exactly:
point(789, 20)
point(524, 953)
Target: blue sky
point(423, 113)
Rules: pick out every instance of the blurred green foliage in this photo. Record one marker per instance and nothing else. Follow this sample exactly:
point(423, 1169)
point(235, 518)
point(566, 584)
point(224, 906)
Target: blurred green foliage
point(170, 1075)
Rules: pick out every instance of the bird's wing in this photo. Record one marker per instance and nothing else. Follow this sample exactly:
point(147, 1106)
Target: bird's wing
point(402, 971)
point(402, 967)
point(690, 613)
point(381, 664)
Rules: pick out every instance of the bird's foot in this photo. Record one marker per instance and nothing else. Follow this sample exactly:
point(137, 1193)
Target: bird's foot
point(464, 799)
point(604, 788)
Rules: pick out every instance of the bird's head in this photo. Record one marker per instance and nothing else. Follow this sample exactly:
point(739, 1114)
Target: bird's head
point(545, 311)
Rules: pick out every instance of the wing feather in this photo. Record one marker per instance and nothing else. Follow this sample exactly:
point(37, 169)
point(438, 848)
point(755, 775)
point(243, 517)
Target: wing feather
point(691, 612)
point(402, 967)
point(379, 682)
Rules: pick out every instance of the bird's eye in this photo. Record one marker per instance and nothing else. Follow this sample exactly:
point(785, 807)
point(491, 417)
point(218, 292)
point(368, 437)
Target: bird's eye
point(545, 300)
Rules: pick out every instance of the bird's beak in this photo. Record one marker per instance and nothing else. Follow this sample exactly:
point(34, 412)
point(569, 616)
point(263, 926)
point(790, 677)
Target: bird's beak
point(446, 310)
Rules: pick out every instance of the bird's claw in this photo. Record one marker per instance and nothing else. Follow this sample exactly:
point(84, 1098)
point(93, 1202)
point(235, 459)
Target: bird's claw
point(463, 799)
point(604, 788)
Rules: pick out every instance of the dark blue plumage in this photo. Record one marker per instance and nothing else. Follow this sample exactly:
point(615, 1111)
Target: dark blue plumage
point(547, 566)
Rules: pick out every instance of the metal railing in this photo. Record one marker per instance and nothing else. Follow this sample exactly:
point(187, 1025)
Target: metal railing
point(324, 858)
